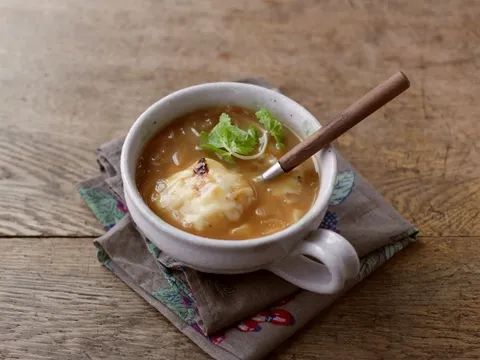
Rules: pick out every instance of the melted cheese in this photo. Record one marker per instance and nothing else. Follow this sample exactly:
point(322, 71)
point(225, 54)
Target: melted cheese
point(204, 194)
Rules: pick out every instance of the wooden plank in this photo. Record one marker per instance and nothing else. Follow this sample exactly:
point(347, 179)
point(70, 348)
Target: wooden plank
point(77, 74)
point(57, 302)
point(423, 304)
point(38, 173)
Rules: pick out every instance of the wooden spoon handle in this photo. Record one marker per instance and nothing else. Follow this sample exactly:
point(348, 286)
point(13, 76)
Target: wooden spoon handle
point(359, 110)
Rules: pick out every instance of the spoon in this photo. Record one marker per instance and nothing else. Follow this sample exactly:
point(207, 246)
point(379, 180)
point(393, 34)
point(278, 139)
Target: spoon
point(358, 111)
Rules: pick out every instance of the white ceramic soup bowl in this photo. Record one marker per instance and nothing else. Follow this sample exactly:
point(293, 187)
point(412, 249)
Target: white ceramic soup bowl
point(290, 253)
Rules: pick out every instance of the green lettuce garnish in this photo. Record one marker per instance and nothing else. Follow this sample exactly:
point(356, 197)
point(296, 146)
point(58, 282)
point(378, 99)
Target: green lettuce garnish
point(272, 125)
point(225, 155)
point(252, 130)
point(227, 139)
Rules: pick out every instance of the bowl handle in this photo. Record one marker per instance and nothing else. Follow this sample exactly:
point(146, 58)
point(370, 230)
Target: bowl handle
point(322, 263)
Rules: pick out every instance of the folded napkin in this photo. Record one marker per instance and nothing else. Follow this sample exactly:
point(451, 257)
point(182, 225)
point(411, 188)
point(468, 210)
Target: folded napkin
point(236, 316)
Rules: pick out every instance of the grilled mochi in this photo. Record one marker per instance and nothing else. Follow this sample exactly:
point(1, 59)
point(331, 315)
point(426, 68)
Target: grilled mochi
point(204, 194)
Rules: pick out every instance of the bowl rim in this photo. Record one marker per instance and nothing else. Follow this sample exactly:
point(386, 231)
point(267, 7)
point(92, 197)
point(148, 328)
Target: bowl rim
point(327, 159)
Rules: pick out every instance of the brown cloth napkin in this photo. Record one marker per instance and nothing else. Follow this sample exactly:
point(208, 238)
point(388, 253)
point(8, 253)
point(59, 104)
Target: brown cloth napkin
point(236, 316)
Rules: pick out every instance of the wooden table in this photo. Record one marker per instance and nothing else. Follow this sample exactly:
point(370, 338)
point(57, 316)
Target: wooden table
point(75, 74)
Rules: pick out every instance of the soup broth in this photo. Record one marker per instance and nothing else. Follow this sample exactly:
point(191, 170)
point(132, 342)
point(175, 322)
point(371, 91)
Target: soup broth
point(255, 209)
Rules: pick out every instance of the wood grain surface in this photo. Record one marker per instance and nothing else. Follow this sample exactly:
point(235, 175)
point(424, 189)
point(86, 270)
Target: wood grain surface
point(56, 302)
point(75, 74)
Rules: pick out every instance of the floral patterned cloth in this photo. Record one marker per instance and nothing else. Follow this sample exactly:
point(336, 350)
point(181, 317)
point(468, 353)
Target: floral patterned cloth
point(215, 311)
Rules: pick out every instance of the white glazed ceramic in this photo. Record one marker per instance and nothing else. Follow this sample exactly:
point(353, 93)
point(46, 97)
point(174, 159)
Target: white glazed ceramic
point(282, 252)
